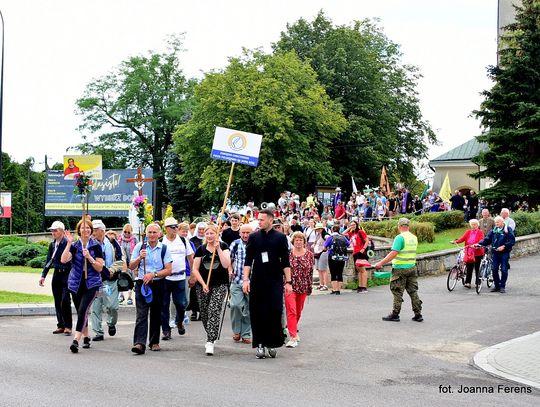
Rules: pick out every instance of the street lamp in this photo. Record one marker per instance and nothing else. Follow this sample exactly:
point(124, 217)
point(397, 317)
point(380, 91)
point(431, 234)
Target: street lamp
point(1, 95)
point(30, 165)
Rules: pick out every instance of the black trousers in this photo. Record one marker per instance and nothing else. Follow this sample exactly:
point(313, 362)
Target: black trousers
point(141, 332)
point(62, 300)
point(83, 300)
point(469, 266)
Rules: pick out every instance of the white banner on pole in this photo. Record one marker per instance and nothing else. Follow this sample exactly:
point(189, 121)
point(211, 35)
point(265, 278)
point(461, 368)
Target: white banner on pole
point(236, 146)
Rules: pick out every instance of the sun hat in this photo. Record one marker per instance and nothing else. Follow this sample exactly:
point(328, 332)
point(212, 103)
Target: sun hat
point(171, 222)
point(319, 226)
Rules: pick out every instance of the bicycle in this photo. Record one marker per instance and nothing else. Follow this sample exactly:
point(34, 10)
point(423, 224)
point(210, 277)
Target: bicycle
point(485, 271)
point(457, 271)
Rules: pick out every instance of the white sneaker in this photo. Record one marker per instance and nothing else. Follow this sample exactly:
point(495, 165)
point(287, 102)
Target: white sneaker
point(209, 348)
point(291, 344)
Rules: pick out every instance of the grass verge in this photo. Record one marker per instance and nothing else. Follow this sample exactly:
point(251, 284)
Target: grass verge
point(372, 282)
point(442, 240)
point(10, 297)
point(19, 269)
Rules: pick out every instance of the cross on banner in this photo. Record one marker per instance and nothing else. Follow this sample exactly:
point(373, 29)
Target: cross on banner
point(139, 180)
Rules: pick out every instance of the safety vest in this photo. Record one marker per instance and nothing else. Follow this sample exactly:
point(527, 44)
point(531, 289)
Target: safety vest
point(407, 256)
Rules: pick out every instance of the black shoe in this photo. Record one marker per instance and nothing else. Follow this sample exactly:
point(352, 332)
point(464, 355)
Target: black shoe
point(112, 330)
point(391, 317)
point(98, 338)
point(502, 290)
point(181, 329)
point(333, 292)
point(74, 348)
point(338, 293)
point(418, 318)
point(260, 354)
point(272, 352)
point(86, 342)
point(138, 349)
point(494, 290)
point(166, 335)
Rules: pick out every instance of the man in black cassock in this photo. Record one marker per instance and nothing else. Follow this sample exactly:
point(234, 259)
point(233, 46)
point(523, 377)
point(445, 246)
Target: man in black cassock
point(267, 261)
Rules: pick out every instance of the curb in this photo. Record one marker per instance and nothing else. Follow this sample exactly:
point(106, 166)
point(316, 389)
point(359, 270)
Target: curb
point(485, 360)
point(35, 310)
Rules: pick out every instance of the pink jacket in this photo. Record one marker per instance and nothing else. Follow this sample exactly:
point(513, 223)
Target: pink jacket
point(471, 237)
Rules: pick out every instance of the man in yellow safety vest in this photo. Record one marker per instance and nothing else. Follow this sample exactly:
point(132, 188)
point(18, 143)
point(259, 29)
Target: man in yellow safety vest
point(403, 257)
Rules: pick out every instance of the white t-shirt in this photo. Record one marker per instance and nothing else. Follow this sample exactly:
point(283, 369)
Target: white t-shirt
point(360, 199)
point(178, 253)
point(311, 235)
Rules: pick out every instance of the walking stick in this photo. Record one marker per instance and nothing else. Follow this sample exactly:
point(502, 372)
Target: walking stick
point(224, 309)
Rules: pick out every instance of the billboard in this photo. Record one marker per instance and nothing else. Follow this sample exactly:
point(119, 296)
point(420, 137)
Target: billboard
point(5, 204)
point(111, 196)
point(88, 164)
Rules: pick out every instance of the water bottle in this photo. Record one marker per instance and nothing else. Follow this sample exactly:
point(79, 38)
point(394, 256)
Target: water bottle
point(186, 319)
point(107, 289)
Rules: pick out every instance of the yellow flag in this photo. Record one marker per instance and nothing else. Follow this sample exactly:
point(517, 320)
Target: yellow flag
point(446, 191)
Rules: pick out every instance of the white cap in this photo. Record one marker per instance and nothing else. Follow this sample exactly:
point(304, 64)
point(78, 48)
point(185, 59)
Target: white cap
point(98, 224)
point(57, 225)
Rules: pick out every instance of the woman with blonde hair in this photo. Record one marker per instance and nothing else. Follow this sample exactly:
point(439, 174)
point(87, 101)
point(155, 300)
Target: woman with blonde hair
point(84, 278)
point(211, 294)
point(301, 261)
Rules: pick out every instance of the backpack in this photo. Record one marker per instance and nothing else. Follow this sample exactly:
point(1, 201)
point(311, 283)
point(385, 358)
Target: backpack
point(339, 249)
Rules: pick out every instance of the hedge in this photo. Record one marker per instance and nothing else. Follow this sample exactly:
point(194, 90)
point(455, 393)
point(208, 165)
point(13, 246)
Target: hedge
point(441, 220)
point(424, 231)
point(37, 262)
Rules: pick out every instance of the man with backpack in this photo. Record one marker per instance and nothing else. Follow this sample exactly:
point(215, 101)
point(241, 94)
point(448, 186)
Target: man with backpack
point(337, 247)
point(152, 262)
point(175, 284)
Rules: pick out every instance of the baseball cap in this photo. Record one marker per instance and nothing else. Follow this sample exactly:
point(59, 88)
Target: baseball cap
point(57, 225)
point(403, 222)
point(98, 224)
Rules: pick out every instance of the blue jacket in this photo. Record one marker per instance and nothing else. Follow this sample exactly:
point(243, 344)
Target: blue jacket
point(499, 237)
point(76, 275)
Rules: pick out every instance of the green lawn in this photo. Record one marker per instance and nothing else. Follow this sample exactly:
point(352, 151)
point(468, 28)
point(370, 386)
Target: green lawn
point(442, 240)
point(9, 297)
point(19, 269)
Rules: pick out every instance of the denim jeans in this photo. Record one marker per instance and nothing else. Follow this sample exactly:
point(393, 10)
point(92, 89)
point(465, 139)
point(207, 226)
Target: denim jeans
point(500, 259)
point(176, 289)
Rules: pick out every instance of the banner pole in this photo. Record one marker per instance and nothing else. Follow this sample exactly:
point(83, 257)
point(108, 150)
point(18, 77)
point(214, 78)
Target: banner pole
point(220, 221)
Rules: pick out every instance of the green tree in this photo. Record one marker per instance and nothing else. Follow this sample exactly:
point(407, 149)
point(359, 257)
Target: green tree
point(135, 110)
point(510, 112)
point(362, 70)
point(277, 96)
point(27, 188)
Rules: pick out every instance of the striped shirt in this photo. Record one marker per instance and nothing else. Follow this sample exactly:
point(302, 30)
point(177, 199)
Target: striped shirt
point(238, 258)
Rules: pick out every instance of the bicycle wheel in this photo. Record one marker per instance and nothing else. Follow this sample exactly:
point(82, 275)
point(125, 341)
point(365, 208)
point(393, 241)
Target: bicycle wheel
point(479, 286)
point(489, 278)
point(451, 281)
point(462, 273)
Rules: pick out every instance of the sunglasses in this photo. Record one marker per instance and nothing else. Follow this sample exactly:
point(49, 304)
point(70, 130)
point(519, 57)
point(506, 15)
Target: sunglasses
point(173, 226)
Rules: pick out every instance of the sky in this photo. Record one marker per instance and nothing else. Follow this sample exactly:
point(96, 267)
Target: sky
point(54, 48)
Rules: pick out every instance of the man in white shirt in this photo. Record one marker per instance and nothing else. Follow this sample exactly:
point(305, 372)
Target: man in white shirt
point(508, 221)
point(175, 284)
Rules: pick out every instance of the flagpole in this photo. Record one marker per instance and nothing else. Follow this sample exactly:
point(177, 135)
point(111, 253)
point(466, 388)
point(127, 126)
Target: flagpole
point(220, 221)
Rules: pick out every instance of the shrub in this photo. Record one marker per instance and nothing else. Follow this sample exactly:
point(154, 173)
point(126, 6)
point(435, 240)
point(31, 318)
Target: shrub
point(18, 255)
point(442, 220)
point(37, 262)
point(44, 243)
point(527, 223)
point(11, 241)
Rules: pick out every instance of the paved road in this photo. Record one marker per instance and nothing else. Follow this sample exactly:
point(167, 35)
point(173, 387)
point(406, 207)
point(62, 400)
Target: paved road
point(347, 356)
